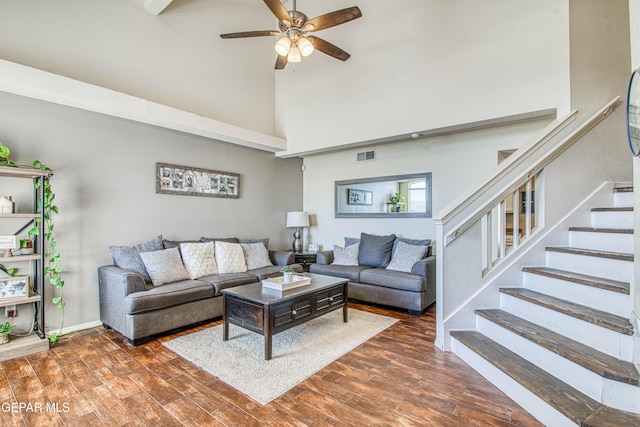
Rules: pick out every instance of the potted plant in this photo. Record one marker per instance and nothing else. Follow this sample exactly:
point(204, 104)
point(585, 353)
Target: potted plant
point(26, 246)
point(288, 273)
point(5, 329)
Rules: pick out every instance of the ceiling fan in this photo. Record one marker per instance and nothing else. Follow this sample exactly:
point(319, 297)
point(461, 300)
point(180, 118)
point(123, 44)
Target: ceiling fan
point(294, 26)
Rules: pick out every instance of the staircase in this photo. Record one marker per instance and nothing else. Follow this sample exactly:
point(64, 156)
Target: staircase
point(561, 345)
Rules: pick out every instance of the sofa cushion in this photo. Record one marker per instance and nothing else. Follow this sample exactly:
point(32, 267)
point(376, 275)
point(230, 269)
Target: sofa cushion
point(168, 244)
point(228, 280)
point(393, 279)
point(345, 256)
point(375, 251)
point(169, 295)
point(348, 272)
point(164, 266)
point(405, 255)
point(256, 255)
point(220, 239)
point(230, 258)
point(199, 259)
point(128, 257)
point(264, 241)
point(348, 241)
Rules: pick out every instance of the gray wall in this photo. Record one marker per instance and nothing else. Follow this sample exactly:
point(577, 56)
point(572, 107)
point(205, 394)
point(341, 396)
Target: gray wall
point(105, 188)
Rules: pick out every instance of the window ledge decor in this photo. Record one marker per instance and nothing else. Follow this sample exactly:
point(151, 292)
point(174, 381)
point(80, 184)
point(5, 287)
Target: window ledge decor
point(190, 181)
point(397, 196)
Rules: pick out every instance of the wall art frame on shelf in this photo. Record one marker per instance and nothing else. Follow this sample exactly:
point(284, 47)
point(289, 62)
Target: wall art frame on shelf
point(192, 181)
point(359, 197)
point(14, 287)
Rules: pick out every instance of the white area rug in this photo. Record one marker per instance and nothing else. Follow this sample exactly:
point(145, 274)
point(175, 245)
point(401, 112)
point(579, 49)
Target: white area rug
point(298, 352)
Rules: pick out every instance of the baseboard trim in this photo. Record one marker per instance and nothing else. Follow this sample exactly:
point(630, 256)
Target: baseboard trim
point(77, 328)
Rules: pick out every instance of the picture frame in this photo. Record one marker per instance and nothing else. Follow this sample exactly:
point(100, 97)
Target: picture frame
point(8, 242)
point(313, 248)
point(192, 181)
point(359, 197)
point(14, 287)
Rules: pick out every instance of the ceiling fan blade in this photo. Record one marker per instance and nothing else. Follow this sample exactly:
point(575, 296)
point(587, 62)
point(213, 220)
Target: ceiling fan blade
point(281, 62)
point(243, 34)
point(332, 19)
point(328, 48)
point(280, 11)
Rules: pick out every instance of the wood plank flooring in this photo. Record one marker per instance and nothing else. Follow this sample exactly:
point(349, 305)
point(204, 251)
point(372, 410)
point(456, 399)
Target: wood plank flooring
point(398, 378)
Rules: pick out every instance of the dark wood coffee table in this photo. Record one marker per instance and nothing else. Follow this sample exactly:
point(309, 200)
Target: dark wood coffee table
point(269, 312)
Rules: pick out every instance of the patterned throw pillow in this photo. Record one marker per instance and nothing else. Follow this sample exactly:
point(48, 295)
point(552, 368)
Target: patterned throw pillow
point(199, 259)
point(256, 255)
point(128, 257)
point(345, 256)
point(230, 258)
point(406, 255)
point(164, 266)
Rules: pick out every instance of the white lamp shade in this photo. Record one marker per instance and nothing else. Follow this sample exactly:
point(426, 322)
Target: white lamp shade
point(294, 54)
point(283, 45)
point(297, 219)
point(305, 46)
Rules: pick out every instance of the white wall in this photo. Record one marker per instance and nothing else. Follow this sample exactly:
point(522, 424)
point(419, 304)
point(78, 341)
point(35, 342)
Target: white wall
point(455, 161)
point(105, 189)
point(176, 59)
point(424, 64)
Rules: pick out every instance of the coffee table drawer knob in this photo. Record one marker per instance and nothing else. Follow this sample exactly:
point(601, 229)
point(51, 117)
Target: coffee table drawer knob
point(294, 312)
point(331, 299)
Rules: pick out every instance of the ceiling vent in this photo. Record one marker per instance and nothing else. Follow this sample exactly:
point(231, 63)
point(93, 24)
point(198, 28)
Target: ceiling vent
point(366, 156)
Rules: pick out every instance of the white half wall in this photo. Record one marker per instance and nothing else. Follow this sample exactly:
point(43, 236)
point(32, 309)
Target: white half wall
point(424, 64)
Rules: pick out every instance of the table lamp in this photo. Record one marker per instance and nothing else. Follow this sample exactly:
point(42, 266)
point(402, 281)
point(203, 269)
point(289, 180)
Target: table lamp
point(297, 219)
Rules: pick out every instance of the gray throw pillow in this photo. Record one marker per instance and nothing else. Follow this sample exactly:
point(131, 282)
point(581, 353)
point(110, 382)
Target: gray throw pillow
point(405, 255)
point(375, 251)
point(164, 266)
point(128, 257)
point(220, 239)
point(348, 241)
point(345, 256)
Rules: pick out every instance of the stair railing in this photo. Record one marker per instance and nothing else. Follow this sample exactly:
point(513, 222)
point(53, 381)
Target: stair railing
point(494, 220)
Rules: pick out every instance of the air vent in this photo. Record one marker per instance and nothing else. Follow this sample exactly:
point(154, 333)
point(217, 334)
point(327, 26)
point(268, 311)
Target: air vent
point(366, 156)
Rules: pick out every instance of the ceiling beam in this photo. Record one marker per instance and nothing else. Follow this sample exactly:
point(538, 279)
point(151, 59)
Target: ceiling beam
point(156, 6)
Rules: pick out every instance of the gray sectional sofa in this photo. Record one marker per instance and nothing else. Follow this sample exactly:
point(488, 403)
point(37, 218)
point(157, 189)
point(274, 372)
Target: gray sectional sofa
point(386, 270)
point(136, 304)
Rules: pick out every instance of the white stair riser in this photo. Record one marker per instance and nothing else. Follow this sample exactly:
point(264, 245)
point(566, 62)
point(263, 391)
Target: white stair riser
point(619, 395)
point(623, 200)
point(612, 242)
point(600, 299)
point(603, 339)
point(594, 266)
point(531, 403)
point(612, 219)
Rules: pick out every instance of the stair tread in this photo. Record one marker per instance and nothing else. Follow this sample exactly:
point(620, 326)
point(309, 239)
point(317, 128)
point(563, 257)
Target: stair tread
point(591, 252)
point(603, 230)
point(613, 209)
point(575, 405)
point(583, 279)
point(625, 189)
point(588, 314)
point(600, 363)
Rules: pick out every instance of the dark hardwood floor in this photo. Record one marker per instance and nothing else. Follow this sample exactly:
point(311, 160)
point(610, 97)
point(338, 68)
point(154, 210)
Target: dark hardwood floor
point(398, 378)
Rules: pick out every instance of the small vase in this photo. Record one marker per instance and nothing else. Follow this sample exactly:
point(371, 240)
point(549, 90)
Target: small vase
point(288, 277)
point(4, 338)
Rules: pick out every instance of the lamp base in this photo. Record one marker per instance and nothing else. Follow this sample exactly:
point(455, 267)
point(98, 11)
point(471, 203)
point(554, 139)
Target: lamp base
point(297, 241)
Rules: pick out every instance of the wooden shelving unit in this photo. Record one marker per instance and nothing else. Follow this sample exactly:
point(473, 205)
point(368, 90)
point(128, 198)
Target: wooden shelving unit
point(36, 340)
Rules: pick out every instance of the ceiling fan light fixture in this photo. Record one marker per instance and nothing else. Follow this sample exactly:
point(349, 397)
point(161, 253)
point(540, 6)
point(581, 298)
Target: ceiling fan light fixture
point(294, 54)
point(305, 46)
point(283, 46)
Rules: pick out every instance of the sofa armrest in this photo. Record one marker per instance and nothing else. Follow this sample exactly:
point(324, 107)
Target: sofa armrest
point(282, 257)
point(119, 281)
point(426, 267)
point(324, 257)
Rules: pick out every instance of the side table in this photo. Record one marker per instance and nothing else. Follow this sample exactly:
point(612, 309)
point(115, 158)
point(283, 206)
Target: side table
point(305, 259)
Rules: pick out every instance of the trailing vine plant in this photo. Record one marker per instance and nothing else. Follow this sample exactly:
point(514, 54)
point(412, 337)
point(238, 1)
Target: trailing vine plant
point(53, 265)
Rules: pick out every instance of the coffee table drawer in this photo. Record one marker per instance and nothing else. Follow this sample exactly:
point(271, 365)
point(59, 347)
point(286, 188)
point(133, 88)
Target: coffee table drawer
point(330, 298)
point(246, 314)
point(291, 312)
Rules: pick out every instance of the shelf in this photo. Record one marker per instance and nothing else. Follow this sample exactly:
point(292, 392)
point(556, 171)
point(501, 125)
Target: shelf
point(18, 258)
point(22, 172)
point(17, 301)
point(23, 346)
point(21, 215)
